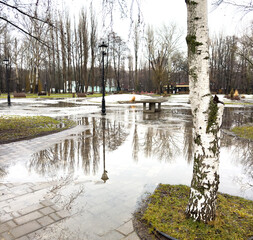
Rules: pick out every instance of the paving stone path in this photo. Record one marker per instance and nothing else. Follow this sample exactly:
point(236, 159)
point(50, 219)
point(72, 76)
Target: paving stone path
point(24, 211)
point(26, 215)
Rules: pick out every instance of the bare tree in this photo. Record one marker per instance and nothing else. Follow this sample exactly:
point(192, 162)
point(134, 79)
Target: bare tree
point(84, 36)
point(63, 54)
point(93, 45)
point(136, 51)
point(161, 46)
point(69, 54)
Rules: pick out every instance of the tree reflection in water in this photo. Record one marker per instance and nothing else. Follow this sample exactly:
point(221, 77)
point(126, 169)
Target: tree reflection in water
point(162, 144)
point(82, 152)
point(188, 141)
point(242, 152)
point(237, 116)
point(135, 144)
point(2, 172)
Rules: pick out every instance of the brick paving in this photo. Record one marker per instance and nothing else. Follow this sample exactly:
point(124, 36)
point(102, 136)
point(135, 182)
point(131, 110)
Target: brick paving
point(19, 216)
point(24, 219)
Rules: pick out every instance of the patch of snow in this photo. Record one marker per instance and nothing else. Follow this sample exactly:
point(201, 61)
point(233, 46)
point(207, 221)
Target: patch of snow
point(119, 97)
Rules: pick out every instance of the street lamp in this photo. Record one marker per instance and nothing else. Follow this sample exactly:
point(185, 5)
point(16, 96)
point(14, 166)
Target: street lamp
point(103, 48)
point(6, 62)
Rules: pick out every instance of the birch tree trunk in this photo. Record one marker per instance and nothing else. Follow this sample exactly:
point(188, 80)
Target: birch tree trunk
point(207, 117)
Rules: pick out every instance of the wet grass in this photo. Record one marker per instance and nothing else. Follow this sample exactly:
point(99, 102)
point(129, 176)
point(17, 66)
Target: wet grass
point(238, 103)
point(244, 131)
point(15, 128)
point(166, 213)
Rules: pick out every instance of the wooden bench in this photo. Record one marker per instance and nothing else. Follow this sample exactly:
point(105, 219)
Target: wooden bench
point(152, 105)
point(81, 94)
point(19, 95)
point(42, 93)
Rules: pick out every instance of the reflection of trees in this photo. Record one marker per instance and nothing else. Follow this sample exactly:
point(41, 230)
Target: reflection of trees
point(159, 143)
point(135, 144)
point(237, 117)
point(2, 172)
point(115, 134)
point(165, 145)
point(83, 152)
point(148, 142)
point(188, 141)
point(243, 153)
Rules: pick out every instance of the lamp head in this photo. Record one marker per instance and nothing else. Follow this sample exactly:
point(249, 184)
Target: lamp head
point(6, 61)
point(104, 176)
point(103, 47)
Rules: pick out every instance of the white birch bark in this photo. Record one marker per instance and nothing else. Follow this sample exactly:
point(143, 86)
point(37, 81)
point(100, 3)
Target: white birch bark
point(207, 117)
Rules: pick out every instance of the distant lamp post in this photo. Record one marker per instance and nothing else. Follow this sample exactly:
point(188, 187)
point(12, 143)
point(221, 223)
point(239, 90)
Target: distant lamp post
point(103, 48)
point(104, 175)
point(6, 62)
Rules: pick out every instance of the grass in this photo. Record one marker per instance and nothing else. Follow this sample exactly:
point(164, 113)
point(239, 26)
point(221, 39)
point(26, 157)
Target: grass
point(238, 103)
point(244, 131)
point(14, 128)
point(166, 213)
point(52, 95)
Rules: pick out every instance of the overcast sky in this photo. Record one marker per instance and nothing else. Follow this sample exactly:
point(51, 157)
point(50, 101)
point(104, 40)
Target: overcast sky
point(224, 19)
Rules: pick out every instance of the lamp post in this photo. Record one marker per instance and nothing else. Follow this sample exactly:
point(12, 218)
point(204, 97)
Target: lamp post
point(6, 62)
point(103, 48)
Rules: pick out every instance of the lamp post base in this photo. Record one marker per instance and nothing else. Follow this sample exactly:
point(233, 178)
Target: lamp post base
point(9, 100)
point(103, 111)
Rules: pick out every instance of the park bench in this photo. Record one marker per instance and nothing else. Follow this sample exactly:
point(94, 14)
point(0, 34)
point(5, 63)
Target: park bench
point(42, 93)
point(19, 95)
point(151, 105)
point(81, 94)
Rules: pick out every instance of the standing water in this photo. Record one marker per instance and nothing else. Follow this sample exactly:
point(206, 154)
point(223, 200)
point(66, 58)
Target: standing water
point(100, 169)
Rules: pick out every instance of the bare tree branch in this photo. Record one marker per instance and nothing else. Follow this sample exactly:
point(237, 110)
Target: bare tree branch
point(26, 14)
point(26, 32)
point(244, 7)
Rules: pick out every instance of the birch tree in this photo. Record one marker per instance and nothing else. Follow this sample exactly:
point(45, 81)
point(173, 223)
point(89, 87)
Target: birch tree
point(207, 117)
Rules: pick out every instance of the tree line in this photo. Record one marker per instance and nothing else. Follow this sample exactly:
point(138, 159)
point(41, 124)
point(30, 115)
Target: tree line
point(61, 54)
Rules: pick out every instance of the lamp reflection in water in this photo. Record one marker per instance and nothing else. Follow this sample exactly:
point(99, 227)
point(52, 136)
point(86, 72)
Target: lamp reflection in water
point(104, 175)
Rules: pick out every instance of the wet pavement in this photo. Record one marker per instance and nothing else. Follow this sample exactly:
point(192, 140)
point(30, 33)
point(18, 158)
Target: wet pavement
point(51, 186)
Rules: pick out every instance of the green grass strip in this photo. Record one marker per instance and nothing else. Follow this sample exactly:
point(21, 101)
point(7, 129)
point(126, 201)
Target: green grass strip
point(244, 132)
point(14, 128)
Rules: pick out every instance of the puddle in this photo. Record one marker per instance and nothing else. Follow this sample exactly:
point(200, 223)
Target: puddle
point(118, 158)
point(63, 104)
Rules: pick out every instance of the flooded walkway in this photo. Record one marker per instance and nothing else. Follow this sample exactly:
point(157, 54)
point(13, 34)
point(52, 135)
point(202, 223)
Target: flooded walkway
point(51, 187)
